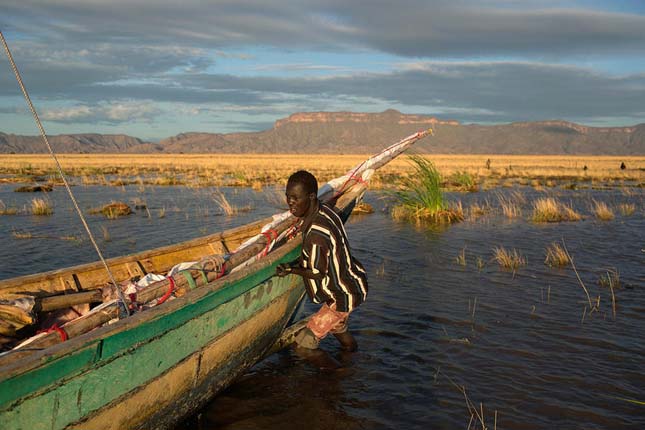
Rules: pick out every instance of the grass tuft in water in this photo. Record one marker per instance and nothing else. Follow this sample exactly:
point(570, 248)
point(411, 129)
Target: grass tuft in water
point(479, 209)
point(556, 256)
point(420, 197)
point(463, 181)
point(509, 260)
point(461, 258)
point(227, 207)
point(41, 207)
point(113, 210)
point(106, 234)
point(480, 263)
point(627, 209)
point(610, 279)
point(602, 211)
point(4, 210)
point(549, 209)
point(511, 204)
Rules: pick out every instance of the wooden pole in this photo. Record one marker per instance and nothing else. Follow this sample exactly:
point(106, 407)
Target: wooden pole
point(68, 300)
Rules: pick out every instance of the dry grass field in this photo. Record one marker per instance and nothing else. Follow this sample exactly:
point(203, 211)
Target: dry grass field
point(263, 169)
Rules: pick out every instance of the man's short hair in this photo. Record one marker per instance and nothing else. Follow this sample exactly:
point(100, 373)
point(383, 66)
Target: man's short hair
point(306, 179)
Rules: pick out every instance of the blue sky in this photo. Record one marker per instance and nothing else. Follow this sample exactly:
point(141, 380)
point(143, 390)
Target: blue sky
point(156, 68)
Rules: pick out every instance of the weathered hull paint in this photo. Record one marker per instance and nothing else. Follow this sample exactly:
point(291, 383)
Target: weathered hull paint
point(189, 385)
point(154, 374)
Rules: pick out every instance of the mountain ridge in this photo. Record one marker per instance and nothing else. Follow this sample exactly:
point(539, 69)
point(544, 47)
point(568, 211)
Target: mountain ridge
point(355, 132)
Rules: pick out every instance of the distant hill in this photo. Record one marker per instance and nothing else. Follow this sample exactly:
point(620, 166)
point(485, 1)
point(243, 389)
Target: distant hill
point(349, 132)
point(68, 143)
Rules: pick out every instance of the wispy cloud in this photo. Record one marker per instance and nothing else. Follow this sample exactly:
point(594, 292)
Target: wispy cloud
point(110, 113)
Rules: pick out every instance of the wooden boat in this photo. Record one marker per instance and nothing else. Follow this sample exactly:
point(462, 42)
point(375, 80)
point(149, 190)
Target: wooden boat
point(155, 367)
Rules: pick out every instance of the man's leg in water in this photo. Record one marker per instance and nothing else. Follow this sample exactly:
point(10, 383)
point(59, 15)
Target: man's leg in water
point(347, 341)
point(307, 348)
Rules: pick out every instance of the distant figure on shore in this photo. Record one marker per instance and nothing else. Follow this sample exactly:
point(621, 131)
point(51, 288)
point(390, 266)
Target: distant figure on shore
point(622, 166)
point(488, 164)
point(584, 168)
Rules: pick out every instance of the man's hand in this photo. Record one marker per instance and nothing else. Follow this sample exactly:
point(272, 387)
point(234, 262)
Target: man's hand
point(283, 269)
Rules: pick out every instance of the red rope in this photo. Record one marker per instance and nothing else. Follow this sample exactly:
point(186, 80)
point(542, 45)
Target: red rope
point(62, 333)
point(358, 179)
point(352, 175)
point(293, 230)
point(222, 272)
point(133, 301)
point(171, 288)
point(271, 235)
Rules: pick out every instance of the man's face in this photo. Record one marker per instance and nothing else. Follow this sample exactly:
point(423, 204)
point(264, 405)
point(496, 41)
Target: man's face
point(299, 200)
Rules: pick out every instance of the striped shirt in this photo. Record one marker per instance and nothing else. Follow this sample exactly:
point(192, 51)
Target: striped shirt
point(325, 250)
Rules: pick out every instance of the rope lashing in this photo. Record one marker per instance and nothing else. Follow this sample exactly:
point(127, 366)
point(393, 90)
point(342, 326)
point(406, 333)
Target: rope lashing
point(189, 278)
point(55, 328)
point(60, 170)
point(293, 229)
point(222, 272)
point(134, 305)
point(271, 235)
point(171, 289)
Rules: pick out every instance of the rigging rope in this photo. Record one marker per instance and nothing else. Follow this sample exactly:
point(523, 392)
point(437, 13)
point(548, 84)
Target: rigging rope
point(60, 171)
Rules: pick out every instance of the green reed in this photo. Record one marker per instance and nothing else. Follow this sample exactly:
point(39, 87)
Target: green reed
point(420, 197)
point(423, 188)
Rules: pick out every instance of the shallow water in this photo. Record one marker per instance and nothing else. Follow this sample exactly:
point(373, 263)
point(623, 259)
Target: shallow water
point(523, 347)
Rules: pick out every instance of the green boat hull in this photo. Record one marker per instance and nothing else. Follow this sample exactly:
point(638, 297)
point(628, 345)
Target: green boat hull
point(158, 368)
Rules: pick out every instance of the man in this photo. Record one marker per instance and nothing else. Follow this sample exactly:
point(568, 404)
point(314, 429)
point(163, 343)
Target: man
point(332, 276)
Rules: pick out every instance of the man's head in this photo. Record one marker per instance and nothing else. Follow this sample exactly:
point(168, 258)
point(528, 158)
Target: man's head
point(302, 193)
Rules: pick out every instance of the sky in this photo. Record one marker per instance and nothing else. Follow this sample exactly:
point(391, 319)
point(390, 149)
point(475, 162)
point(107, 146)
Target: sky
point(156, 68)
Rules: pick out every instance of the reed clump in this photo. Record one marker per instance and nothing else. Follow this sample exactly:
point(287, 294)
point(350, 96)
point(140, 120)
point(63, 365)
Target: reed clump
point(479, 209)
point(462, 181)
point(602, 211)
point(168, 180)
point(113, 210)
point(511, 204)
point(107, 237)
point(549, 209)
point(41, 207)
point(420, 197)
point(42, 188)
point(556, 256)
point(227, 207)
point(610, 279)
point(5, 210)
point(509, 260)
point(627, 209)
point(363, 208)
point(461, 258)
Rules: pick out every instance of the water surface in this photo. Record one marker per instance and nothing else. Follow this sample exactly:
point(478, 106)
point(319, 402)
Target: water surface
point(433, 335)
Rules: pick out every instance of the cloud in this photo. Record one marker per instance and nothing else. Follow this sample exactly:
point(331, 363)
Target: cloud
point(68, 114)
point(112, 113)
point(466, 91)
point(415, 28)
point(116, 62)
point(295, 67)
point(513, 90)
